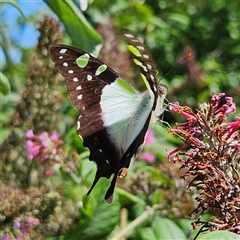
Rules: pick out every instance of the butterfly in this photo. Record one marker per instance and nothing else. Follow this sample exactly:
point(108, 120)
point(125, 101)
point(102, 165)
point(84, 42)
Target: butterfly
point(114, 115)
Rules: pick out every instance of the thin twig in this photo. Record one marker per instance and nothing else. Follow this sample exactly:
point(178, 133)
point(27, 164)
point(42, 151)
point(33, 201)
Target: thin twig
point(130, 228)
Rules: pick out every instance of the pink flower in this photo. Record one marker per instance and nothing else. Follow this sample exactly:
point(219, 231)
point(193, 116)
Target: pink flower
point(54, 136)
point(26, 228)
point(43, 146)
point(184, 111)
point(49, 173)
point(16, 224)
point(30, 134)
point(172, 106)
point(183, 147)
point(148, 157)
point(33, 221)
point(232, 127)
point(43, 136)
point(6, 237)
point(150, 138)
point(228, 107)
point(33, 149)
point(215, 99)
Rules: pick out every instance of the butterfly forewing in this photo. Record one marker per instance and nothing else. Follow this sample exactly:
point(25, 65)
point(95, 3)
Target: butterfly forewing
point(142, 57)
point(84, 83)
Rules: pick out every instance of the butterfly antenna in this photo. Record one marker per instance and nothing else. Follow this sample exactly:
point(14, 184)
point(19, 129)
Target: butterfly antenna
point(188, 56)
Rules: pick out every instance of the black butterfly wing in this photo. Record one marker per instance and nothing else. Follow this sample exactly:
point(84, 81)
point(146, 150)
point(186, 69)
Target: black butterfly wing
point(85, 88)
point(143, 58)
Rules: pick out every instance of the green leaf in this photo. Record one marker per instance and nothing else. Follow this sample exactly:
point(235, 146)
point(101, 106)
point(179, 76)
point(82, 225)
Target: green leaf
point(86, 169)
point(185, 225)
point(98, 219)
point(223, 235)
point(4, 84)
point(166, 229)
point(77, 27)
point(147, 234)
point(128, 198)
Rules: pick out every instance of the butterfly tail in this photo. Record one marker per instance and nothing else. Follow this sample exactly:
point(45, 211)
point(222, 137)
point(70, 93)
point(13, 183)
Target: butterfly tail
point(109, 193)
point(94, 183)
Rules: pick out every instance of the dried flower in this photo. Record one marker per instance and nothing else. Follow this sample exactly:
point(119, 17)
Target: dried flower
point(211, 156)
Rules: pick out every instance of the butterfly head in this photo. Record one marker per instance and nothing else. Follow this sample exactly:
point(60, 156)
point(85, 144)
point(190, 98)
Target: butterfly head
point(159, 109)
point(162, 90)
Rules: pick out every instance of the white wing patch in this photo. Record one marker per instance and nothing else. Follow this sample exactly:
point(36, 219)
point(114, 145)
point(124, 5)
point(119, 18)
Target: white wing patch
point(124, 112)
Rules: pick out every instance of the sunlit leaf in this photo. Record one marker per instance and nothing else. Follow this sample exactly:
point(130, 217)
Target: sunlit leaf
point(80, 31)
point(166, 229)
point(147, 234)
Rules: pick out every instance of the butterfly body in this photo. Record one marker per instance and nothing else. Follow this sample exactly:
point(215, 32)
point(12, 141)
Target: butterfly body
point(114, 115)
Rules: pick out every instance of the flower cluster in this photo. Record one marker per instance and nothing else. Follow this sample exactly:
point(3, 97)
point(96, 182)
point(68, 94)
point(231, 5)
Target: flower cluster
point(43, 146)
point(211, 157)
point(23, 230)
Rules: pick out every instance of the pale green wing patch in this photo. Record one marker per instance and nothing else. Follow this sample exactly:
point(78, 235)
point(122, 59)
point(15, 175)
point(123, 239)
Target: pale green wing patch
point(126, 86)
point(101, 69)
point(82, 61)
point(134, 50)
point(124, 112)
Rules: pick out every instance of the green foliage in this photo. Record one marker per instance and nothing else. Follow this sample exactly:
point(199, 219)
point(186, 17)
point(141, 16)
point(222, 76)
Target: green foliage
point(161, 224)
point(223, 235)
point(4, 84)
point(98, 219)
point(76, 25)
